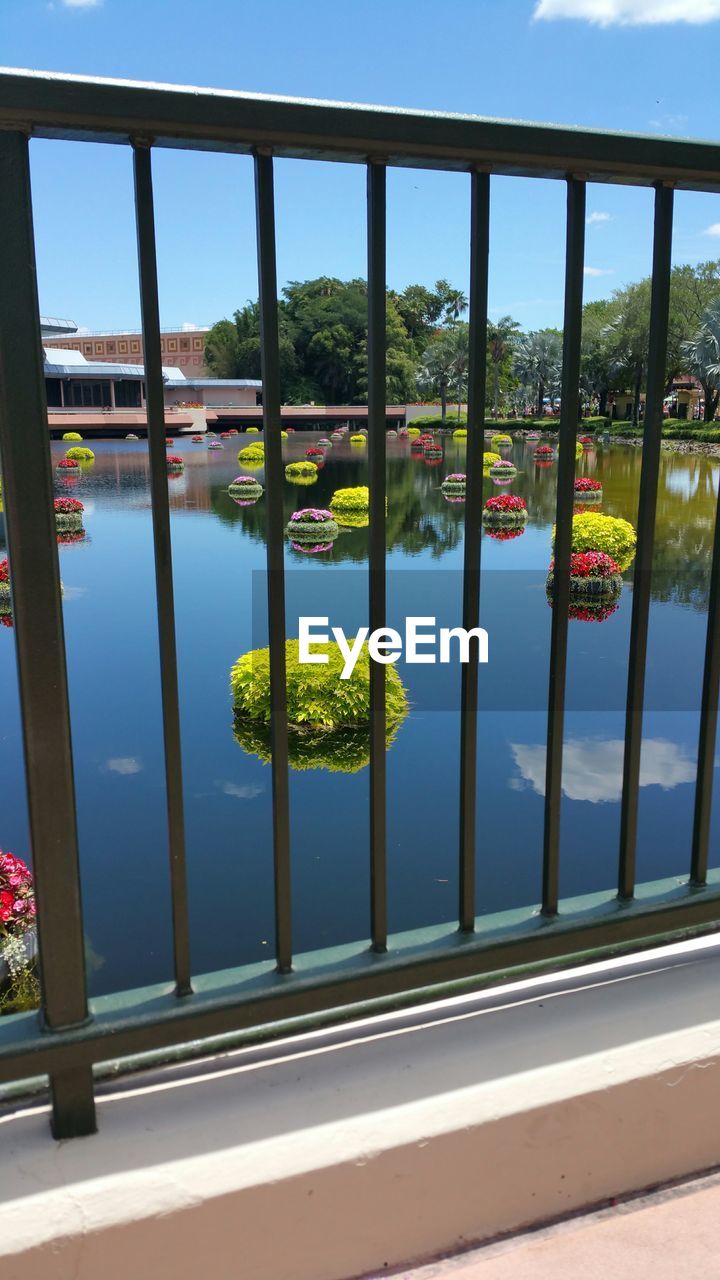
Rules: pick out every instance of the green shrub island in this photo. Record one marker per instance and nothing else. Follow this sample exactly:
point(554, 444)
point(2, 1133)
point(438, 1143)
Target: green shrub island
point(312, 525)
point(413, 431)
point(72, 435)
point(245, 489)
point(328, 718)
point(358, 438)
point(501, 442)
point(592, 531)
point(459, 434)
point(489, 460)
point(252, 453)
point(453, 486)
point(253, 431)
point(301, 471)
point(502, 471)
point(80, 454)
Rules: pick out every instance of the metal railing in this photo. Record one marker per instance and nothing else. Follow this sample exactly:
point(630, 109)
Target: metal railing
point(69, 1037)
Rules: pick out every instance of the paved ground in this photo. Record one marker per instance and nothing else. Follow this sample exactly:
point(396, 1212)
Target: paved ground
point(673, 1235)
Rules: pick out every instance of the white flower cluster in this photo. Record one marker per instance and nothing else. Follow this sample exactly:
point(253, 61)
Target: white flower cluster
point(12, 951)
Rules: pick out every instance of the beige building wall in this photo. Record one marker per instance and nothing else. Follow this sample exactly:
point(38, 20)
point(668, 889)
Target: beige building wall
point(183, 349)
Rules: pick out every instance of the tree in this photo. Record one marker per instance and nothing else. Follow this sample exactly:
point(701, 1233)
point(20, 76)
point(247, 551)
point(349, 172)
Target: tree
point(538, 362)
point(221, 350)
point(701, 354)
point(437, 368)
point(501, 337)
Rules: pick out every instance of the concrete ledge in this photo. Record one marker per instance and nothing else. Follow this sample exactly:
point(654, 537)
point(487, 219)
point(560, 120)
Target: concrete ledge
point(391, 1140)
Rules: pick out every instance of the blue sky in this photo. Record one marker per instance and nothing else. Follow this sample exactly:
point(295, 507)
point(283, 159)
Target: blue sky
point(637, 65)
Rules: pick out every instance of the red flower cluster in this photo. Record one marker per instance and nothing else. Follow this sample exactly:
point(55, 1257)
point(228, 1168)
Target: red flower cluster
point(64, 539)
point(506, 502)
point(587, 486)
point(4, 571)
point(173, 459)
point(505, 535)
point(544, 451)
point(312, 452)
point(197, 439)
point(68, 464)
point(168, 441)
point(17, 896)
point(585, 440)
point(590, 564)
point(68, 506)
point(581, 613)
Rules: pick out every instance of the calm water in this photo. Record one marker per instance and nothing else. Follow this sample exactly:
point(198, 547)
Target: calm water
point(218, 561)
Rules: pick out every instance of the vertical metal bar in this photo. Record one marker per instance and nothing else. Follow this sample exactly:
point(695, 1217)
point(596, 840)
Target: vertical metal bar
point(377, 413)
point(270, 361)
point(657, 349)
point(479, 255)
point(569, 412)
point(708, 721)
point(40, 643)
point(150, 310)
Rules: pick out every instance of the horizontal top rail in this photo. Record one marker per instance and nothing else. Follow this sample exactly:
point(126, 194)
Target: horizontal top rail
point(80, 108)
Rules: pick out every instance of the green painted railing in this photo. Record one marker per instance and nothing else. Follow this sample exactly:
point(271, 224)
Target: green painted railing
point(70, 1039)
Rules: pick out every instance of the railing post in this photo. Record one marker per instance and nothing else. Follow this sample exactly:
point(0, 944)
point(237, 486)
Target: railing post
point(40, 644)
point(567, 436)
point(377, 444)
point(479, 262)
point(650, 471)
point(708, 720)
point(272, 424)
point(155, 397)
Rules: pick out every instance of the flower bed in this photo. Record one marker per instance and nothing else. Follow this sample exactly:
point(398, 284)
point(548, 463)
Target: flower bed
point(592, 573)
point(226, 435)
point(507, 510)
point(312, 525)
point(348, 500)
point(433, 451)
point(315, 454)
point(317, 707)
point(169, 441)
point(245, 489)
point(301, 472)
point(68, 464)
point(413, 432)
point(131, 436)
point(391, 435)
point(197, 439)
point(489, 460)
point(5, 598)
point(501, 442)
point(252, 431)
point(336, 436)
point(72, 435)
point(79, 453)
point(174, 462)
point(454, 485)
point(459, 434)
point(251, 453)
point(215, 444)
point(586, 441)
point(17, 936)
point(68, 515)
point(592, 531)
point(358, 438)
point(544, 453)
point(587, 490)
point(532, 435)
point(502, 472)
point(324, 442)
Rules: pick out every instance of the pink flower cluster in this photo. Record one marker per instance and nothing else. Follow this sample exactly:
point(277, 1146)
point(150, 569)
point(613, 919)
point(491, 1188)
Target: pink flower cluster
point(506, 502)
point(587, 486)
point(311, 514)
point(67, 506)
point(244, 480)
point(4, 571)
point(17, 895)
point(457, 477)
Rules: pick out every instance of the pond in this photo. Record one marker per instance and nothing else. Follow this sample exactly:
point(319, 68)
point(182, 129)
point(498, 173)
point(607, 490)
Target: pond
point(219, 555)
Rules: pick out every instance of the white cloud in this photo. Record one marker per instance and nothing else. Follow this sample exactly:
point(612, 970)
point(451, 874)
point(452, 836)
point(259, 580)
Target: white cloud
point(248, 792)
point(81, 4)
point(187, 326)
point(124, 765)
point(630, 13)
point(593, 767)
point(712, 230)
point(597, 271)
point(596, 217)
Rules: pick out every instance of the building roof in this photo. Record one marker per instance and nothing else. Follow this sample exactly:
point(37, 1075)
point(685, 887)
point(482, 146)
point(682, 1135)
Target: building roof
point(72, 364)
point(214, 382)
point(59, 328)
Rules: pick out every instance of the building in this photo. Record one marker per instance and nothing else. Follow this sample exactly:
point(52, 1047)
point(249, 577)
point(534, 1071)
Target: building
point(184, 349)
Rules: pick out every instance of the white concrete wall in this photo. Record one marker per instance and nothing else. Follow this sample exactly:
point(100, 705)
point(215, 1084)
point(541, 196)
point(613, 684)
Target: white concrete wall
point(353, 1151)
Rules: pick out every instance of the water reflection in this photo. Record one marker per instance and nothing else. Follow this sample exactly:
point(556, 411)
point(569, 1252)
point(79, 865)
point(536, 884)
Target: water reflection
point(592, 768)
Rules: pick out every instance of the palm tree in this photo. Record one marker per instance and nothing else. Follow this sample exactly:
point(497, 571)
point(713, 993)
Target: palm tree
point(501, 338)
point(702, 353)
point(538, 362)
point(437, 368)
